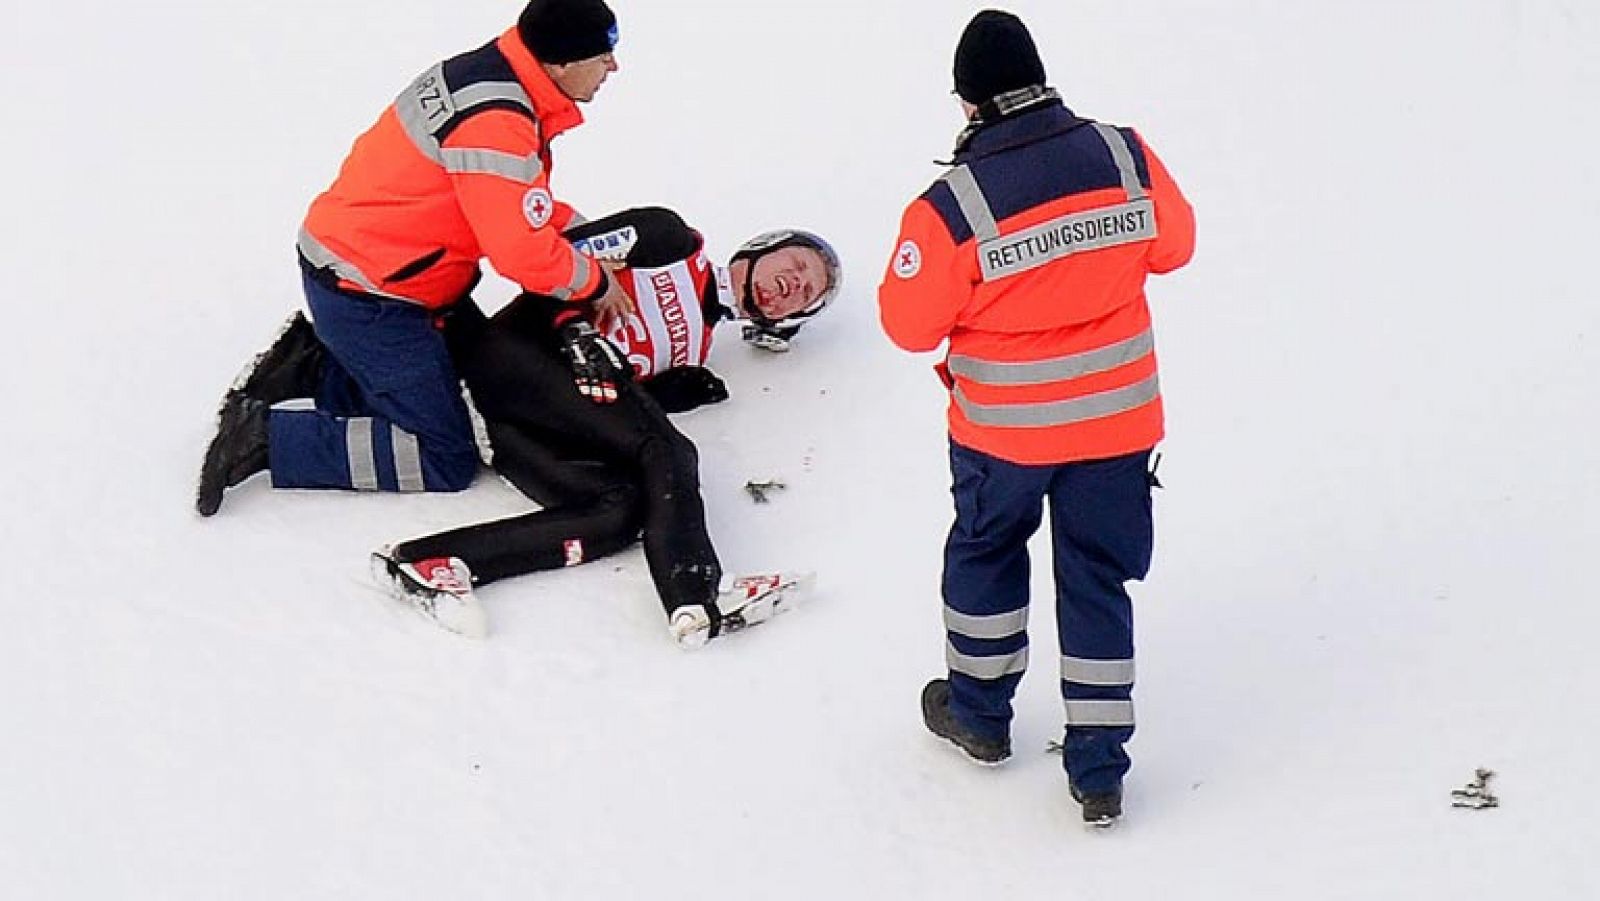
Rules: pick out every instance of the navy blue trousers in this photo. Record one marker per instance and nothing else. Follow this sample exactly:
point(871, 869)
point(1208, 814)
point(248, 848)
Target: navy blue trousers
point(389, 414)
point(1101, 537)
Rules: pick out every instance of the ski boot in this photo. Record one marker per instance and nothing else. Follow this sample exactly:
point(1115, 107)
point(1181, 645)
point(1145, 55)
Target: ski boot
point(690, 626)
point(439, 588)
point(936, 715)
point(742, 602)
point(236, 452)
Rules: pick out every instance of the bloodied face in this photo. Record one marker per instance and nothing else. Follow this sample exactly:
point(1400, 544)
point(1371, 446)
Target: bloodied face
point(782, 282)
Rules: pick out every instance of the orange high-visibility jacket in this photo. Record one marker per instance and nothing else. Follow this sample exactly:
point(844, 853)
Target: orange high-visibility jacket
point(456, 170)
point(1030, 256)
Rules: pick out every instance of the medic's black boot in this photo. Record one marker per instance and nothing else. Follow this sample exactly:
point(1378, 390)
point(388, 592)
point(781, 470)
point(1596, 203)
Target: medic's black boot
point(238, 451)
point(290, 368)
point(1100, 809)
point(936, 714)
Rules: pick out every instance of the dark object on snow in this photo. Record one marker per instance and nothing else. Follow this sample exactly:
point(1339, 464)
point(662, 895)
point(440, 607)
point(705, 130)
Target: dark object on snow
point(1476, 795)
point(758, 491)
point(936, 715)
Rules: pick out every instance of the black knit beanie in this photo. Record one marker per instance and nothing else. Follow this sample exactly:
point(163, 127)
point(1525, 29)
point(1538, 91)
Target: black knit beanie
point(565, 31)
point(995, 55)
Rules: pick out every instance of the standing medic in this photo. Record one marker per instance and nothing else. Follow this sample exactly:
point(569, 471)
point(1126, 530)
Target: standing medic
point(1029, 258)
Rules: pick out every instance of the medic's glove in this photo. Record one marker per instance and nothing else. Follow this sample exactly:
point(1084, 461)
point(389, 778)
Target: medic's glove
point(769, 338)
point(683, 388)
point(598, 368)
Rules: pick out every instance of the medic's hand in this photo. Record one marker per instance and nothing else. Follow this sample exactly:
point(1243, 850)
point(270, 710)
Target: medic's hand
point(683, 388)
point(598, 368)
point(614, 306)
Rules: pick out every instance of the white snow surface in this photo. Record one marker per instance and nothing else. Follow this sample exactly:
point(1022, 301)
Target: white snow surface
point(1374, 562)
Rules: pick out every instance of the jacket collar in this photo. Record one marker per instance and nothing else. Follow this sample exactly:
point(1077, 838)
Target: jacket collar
point(1013, 120)
point(556, 111)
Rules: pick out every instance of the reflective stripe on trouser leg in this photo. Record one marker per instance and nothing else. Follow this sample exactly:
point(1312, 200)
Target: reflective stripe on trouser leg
point(1082, 679)
point(986, 666)
point(986, 656)
point(316, 449)
point(998, 507)
point(404, 457)
point(360, 454)
point(407, 460)
point(1102, 538)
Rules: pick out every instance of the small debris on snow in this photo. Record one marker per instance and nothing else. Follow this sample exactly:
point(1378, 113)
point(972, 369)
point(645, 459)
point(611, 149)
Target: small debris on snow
point(1476, 795)
point(758, 491)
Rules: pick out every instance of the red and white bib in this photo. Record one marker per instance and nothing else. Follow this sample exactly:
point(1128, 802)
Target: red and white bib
point(668, 326)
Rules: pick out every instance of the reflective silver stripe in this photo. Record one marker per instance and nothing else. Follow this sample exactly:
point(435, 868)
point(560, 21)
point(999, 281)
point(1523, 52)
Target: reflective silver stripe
point(1096, 229)
point(1099, 713)
point(492, 162)
point(985, 667)
point(999, 625)
point(1123, 157)
point(321, 257)
point(488, 91)
point(423, 108)
point(1040, 372)
point(580, 275)
point(1061, 412)
point(1085, 671)
point(426, 106)
point(407, 460)
point(973, 205)
point(358, 449)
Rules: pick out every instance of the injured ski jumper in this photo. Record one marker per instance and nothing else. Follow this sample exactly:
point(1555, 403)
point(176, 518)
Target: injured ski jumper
point(1028, 258)
point(607, 474)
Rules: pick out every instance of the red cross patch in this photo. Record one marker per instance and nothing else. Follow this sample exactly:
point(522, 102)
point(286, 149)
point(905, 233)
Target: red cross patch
point(908, 259)
point(537, 206)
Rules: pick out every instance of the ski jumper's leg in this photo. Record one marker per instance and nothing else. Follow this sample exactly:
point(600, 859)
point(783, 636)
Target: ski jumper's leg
point(999, 505)
point(677, 544)
point(517, 380)
point(395, 420)
point(590, 510)
point(1101, 527)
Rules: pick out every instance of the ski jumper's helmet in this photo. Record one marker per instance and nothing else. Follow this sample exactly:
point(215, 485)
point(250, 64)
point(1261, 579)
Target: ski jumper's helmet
point(766, 243)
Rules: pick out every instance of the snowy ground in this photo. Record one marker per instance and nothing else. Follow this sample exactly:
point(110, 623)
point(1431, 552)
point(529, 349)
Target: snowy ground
point(1373, 564)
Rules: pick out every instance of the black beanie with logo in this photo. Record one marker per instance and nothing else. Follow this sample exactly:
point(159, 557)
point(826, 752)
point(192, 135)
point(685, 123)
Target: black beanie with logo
point(565, 31)
point(995, 55)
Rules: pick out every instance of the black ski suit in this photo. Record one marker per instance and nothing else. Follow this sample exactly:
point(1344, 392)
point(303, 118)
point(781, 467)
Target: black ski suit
point(603, 473)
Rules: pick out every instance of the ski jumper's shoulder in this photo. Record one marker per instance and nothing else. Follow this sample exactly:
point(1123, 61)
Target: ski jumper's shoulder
point(642, 237)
